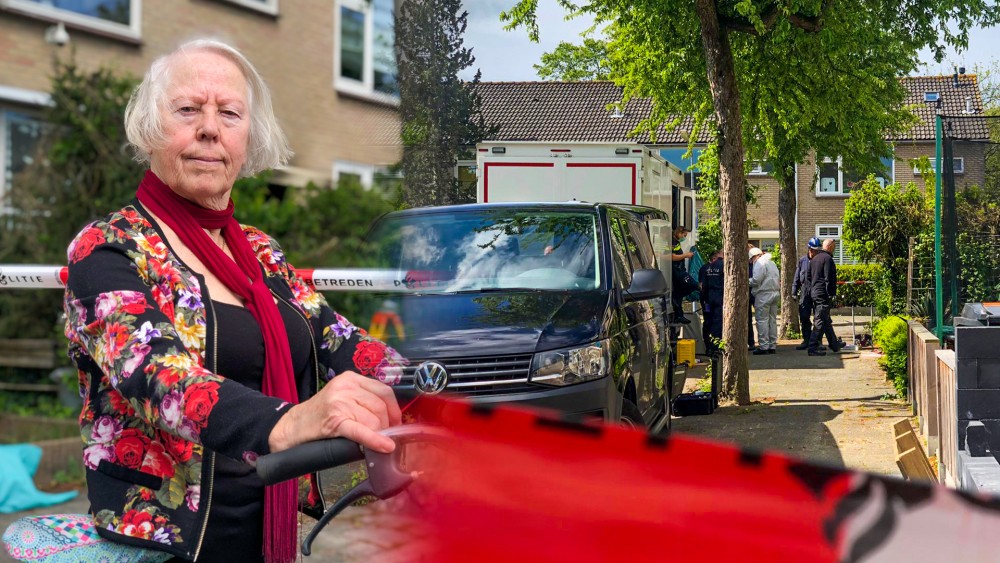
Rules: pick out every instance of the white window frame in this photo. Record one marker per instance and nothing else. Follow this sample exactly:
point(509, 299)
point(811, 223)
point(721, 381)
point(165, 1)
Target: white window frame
point(960, 160)
point(269, 7)
point(364, 171)
point(6, 209)
point(131, 32)
point(840, 256)
point(758, 169)
point(364, 88)
point(841, 183)
point(840, 178)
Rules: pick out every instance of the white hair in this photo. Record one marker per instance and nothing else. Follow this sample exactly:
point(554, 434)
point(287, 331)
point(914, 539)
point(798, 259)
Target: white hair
point(267, 146)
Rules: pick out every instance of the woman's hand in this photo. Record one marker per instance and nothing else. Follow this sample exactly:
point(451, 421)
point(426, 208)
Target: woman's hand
point(349, 406)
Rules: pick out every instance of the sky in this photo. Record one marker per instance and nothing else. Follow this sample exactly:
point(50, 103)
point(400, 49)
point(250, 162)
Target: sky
point(509, 55)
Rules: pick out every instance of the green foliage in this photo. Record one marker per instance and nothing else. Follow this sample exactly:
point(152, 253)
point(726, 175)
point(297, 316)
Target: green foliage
point(878, 224)
point(441, 115)
point(709, 237)
point(858, 295)
point(80, 172)
point(318, 228)
point(890, 335)
point(35, 404)
point(879, 221)
point(575, 62)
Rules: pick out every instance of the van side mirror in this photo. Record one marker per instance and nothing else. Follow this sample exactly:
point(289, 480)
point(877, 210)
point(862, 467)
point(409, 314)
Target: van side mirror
point(646, 284)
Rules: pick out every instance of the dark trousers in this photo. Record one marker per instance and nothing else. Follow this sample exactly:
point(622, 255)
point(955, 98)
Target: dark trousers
point(712, 326)
point(805, 317)
point(684, 285)
point(822, 325)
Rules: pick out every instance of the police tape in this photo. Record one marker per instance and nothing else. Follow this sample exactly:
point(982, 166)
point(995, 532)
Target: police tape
point(516, 486)
point(22, 276)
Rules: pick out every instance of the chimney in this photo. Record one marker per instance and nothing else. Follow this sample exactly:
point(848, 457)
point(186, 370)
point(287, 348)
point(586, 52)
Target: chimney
point(955, 78)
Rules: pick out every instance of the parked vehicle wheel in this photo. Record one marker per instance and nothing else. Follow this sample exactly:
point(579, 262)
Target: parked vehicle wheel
point(631, 417)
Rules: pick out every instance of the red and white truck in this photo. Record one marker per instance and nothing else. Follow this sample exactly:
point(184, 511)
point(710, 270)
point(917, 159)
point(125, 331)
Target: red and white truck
point(598, 172)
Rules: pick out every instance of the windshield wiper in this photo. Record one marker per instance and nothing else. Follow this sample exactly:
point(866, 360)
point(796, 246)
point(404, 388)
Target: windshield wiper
point(503, 290)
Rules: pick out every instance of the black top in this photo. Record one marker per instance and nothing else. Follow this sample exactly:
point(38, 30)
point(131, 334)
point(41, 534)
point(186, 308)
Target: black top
point(713, 281)
point(823, 276)
point(238, 496)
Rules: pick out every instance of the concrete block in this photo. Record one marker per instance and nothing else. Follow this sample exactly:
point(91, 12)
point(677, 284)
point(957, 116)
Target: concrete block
point(977, 342)
point(989, 374)
point(975, 404)
point(977, 439)
point(967, 373)
point(978, 474)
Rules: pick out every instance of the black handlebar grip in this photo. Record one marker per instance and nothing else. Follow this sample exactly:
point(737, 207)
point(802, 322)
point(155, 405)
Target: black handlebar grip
point(306, 458)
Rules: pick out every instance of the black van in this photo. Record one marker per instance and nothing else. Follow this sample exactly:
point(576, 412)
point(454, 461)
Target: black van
point(555, 305)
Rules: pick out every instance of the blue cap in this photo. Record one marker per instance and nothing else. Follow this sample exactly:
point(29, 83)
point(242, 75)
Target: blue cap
point(814, 243)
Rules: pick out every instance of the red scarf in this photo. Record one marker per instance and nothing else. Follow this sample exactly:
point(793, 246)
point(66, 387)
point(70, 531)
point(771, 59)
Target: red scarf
point(245, 278)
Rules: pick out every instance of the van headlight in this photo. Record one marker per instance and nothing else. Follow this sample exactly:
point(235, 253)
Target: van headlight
point(571, 365)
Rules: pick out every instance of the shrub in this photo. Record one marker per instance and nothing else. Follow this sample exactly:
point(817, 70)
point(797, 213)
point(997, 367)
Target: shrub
point(858, 295)
point(890, 335)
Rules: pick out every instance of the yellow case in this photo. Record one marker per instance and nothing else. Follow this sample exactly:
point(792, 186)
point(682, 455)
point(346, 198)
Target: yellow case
point(685, 351)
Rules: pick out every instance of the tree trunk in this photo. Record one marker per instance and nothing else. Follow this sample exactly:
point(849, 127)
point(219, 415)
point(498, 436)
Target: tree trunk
point(785, 175)
point(732, 199)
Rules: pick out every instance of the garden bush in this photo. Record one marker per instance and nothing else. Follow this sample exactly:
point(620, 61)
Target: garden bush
point(890, 335)
point(858, 295)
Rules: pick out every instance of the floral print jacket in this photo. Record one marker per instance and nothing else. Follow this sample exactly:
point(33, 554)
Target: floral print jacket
point(141, 330)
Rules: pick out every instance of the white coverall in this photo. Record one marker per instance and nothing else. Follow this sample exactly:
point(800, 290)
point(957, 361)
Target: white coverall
point(765, 285)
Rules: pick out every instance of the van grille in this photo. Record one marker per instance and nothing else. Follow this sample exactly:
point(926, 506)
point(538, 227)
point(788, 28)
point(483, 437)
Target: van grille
point(483, 375)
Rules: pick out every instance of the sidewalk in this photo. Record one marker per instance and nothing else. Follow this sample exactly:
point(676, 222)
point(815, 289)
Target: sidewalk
point(828, 409)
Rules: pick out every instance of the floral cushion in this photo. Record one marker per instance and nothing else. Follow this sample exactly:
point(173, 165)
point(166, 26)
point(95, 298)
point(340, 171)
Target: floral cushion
point(69, 538)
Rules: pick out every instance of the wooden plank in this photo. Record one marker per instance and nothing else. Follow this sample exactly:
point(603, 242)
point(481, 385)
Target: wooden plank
point(33, 387)
point(28, 353)
point(910, 456)
point(914, 466)
point(901, 426)
point(907, 441)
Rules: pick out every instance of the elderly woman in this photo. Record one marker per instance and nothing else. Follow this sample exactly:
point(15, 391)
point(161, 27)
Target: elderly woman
point(199, 348)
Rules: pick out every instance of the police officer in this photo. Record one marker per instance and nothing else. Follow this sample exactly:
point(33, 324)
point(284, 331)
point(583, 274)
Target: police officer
point(711, 278)
point(802, 291)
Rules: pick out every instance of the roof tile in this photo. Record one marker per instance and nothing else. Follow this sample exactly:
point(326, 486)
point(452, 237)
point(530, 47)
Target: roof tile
point(578, 111)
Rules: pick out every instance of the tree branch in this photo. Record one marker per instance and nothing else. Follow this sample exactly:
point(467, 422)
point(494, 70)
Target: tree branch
point(769, 17)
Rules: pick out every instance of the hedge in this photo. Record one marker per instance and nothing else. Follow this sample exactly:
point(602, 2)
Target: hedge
point(858, 295)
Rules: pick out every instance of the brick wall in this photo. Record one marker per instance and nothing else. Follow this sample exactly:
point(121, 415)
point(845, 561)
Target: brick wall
point(765, 213)
point(293, 52)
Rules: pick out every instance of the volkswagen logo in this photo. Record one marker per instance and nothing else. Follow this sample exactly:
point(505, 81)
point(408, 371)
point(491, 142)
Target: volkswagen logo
point(430, 378)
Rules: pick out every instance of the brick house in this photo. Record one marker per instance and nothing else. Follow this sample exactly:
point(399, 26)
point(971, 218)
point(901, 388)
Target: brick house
point(330, 66)
point(577, 112)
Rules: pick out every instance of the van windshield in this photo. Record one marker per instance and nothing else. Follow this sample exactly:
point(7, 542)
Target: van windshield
point(492, 249)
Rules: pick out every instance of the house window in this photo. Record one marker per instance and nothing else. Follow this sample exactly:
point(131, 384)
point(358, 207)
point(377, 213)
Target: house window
point(957, 163)
point(834, 179)
point(367, 175)
point(761, 169)
point(840, 255)
point(265, 6)
point(21, 134)
point(364, 56)
point(119, 18)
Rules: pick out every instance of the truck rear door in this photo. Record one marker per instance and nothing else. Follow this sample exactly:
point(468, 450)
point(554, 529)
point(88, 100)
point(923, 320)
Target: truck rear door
point(560, 179)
